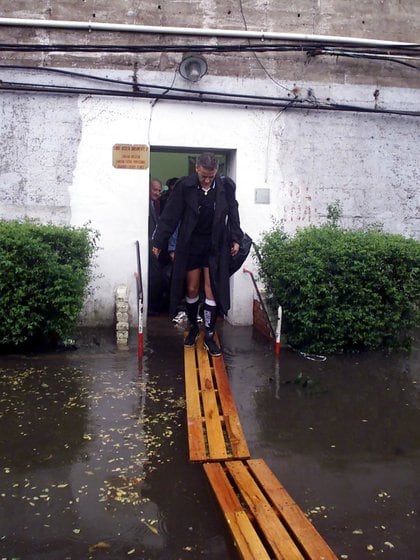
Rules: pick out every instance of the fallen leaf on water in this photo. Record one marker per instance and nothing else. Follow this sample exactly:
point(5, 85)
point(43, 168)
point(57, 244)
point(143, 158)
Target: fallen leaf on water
point(369, 547)
point(76, 531)
point(150, 527)
point(99, 546)
point(387, 543)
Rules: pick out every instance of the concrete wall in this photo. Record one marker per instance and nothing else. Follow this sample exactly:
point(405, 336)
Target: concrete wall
point(57, 166)
point(394, 20)
point(39, 142)
point(289, 164)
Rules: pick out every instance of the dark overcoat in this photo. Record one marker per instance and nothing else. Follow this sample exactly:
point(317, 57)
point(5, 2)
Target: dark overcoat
point(182, 207)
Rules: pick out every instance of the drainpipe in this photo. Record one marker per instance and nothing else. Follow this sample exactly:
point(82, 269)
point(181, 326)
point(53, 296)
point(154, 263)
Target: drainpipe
point(195, 31)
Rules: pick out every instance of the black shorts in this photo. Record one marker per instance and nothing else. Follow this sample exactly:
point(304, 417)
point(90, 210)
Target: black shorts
point(199, 252)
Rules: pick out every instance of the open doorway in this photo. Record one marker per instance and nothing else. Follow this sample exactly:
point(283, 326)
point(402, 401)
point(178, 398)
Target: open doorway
point(167, 164)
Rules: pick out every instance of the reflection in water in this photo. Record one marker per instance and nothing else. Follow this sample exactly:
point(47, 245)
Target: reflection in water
point(36, 408)
point(351, 404)
point(94, 459)
point(343, 437)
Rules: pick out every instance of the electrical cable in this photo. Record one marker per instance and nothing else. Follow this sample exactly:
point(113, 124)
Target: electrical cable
point(146, 49)
point(255, 54)
point(181, 94)
point(365, 56)
point(269, 45)
point(210, 97)
point(312, 50)
point(153, 103)
point(137, 85)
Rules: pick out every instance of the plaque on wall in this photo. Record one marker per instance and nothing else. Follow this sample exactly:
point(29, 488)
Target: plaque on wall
point(130, 156)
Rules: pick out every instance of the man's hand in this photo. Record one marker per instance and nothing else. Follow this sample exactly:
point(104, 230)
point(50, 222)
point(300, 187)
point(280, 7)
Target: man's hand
point(234, 248)
point(156, 251)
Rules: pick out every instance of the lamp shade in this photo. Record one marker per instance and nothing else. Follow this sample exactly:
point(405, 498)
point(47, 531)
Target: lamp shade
point(193, 67)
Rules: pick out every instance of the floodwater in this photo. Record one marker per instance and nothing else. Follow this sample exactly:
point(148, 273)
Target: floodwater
point(94, 459)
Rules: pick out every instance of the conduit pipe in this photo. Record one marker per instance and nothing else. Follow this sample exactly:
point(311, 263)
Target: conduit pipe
point(198, 32)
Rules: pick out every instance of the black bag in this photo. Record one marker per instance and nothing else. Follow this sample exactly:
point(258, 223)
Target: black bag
point(238, 260)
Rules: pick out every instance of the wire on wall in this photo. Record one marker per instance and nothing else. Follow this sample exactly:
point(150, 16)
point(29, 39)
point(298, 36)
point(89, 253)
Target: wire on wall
point(151, 91)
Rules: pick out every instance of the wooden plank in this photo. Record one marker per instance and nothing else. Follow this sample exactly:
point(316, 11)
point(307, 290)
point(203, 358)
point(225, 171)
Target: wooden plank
point(276, 534)
point(239, 446)
point(246, 539)
point(214, 431)
point(293, 517)
point(214, 428)
point(196, 440)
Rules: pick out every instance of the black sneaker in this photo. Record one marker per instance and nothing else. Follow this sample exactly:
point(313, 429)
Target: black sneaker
point(211, 347)
point(192, 336)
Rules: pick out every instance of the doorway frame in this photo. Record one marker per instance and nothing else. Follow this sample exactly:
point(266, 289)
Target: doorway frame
point(228, 153)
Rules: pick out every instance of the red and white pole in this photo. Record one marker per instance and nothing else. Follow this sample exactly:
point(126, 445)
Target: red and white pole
point(278, 329)
point(140, 330)
point(140, 317)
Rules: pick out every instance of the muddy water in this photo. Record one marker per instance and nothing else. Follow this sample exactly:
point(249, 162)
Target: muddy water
point(94, 460)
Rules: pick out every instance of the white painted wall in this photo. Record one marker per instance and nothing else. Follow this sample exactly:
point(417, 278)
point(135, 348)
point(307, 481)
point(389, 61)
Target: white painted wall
point(59, 150)
point(114, 201)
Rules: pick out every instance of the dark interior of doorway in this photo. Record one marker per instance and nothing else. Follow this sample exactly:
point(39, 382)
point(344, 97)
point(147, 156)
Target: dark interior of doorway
point(167, 163)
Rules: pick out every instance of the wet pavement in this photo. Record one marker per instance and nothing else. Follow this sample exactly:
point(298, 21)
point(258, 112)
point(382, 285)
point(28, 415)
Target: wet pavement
point(94, 459)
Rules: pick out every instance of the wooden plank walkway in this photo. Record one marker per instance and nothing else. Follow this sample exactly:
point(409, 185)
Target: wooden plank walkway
point(214, 429)
point(264, 520)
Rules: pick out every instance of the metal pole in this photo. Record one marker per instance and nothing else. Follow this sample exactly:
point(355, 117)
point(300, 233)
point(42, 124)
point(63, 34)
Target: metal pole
point(199, 32)
point(245, 270)
point(139, 304)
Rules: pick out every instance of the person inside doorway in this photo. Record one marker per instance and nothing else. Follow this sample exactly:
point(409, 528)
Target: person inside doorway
point(170, 184)
point(205, 206)
point(158, 296)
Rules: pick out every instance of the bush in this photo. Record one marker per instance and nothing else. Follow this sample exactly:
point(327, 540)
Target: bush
point(342, 289)
point(44, 273)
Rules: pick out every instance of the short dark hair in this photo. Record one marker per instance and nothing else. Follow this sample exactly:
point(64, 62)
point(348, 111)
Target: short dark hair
point(170, 183)
point(207, 160)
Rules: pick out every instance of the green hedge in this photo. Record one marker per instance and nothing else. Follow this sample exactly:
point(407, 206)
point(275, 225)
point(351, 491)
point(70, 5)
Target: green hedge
point(44, 273)
point(343, 289)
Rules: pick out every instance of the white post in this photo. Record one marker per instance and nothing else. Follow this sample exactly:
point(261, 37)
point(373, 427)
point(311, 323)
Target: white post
point(278, 329)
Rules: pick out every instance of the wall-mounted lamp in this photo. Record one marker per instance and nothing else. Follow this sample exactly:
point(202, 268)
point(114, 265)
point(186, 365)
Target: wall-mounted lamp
point(193, 67)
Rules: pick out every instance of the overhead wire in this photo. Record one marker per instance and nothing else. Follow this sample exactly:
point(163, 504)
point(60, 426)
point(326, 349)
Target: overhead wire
point(153, 91)
point(396, 60)
point(155, 100)
point(311, 48)
point(202, 97)
point(255, 54)
point(134, 84)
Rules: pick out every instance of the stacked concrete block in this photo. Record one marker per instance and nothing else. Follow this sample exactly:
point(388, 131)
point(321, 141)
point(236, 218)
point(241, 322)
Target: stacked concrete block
point(121, 312)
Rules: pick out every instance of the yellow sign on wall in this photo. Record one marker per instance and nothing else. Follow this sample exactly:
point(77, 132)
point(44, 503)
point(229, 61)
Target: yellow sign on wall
point(130, 156)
